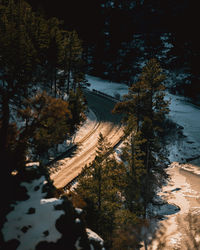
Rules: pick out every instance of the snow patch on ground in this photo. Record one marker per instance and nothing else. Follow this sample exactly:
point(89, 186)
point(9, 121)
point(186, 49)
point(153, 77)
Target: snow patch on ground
point(93, 236)
point(183, 190)
point(78, 210)
point(31, 218)
point(77, 220)
point(187, 115)
point(110, 88)
point(77, 244)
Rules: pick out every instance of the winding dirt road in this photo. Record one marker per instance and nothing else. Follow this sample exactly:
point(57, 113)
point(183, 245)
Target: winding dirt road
point(108, 124)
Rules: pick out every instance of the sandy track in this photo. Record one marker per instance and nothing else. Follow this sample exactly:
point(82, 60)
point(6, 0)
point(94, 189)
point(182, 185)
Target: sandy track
point(70, 167)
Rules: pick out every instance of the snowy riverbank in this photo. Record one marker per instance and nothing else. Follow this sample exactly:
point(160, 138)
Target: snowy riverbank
point(182, 112)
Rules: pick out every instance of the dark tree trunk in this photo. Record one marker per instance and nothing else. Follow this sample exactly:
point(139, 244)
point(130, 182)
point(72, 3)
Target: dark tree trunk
point(6, 162)
point(4, 125)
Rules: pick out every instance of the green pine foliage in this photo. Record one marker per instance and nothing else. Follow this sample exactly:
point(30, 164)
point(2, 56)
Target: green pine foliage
point(98, 186)
point(32, 60)
point(145, 99)
point(77, 106)
point(127, 233)
point(119, 193)
point(144, 109)
point(54, 125)
point(133, 159)
point(46, 124)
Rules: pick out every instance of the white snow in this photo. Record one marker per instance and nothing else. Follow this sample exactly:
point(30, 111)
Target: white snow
point(110, 88)
point(32, 165)
point(187, 115)
point(77, 244)
point(77, 220)
point(183, 189)
point(36, 223)
point(78, 210)
point(93, 236)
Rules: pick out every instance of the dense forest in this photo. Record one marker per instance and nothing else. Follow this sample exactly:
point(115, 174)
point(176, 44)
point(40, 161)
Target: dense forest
point(113, 32)
point(46, 50)
point(37, 61)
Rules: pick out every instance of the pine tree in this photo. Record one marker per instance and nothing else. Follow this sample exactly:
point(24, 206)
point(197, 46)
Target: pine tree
point(54, 125)
point(31, 57)
point(17, 67)
point(98, 185)
point(46, 124)
point(72, 60)
point(77, 108)
point(133, 106)
point(54, 52)
point(133, 160)
point(145, 109)
point(127, 234)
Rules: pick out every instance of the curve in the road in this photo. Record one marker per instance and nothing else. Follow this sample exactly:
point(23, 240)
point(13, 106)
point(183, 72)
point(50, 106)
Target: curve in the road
point(108, 124)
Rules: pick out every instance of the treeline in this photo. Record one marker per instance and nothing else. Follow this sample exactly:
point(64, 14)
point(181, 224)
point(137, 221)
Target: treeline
point(186, 55)
point(41, 103)
point(117, 35)
point(142, 15)
point(116, 195)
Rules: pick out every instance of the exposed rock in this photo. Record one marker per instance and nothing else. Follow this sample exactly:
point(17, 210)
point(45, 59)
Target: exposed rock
point(31, 210)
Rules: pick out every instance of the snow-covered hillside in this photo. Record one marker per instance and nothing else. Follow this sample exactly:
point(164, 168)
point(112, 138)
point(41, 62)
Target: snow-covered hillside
point(33, 220)
point(44, 222)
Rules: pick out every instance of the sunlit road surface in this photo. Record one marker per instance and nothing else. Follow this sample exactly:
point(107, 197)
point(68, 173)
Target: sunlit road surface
point(107, 123)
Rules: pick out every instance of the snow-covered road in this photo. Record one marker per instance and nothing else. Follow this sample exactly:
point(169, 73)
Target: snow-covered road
point(107, 123)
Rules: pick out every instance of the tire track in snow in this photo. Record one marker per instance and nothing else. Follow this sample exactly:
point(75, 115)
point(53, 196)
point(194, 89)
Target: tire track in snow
point(108, 124)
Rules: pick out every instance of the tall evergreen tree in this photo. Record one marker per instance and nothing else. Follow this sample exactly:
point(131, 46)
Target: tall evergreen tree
point(47, 124)
point(72, 60)
point(77, 108)
point(17, 67)
point(29, 46)
point(54, 52)
point(98, 185)
point(145, 109)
